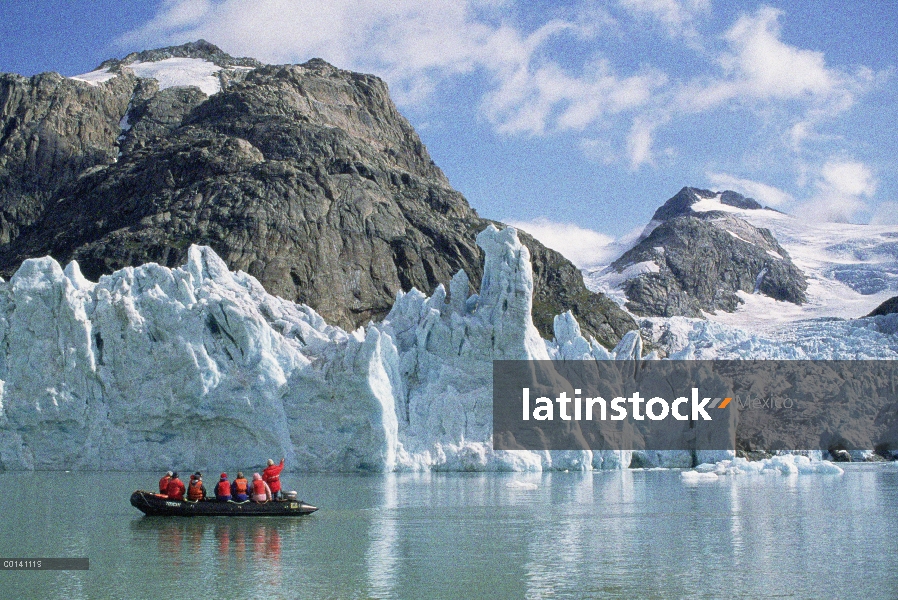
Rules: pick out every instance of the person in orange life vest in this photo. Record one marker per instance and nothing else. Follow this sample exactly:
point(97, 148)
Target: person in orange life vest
point(223, 489)
point(272, 476)
point(240, 488)
point(196, 491)
point(261, 491)
point(163, 483)
point(175, 490)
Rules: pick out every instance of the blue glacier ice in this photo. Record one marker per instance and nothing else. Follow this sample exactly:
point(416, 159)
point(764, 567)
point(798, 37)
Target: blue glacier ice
point(198, 367)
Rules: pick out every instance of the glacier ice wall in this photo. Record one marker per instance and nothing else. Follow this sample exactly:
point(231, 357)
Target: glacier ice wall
point(198, 367)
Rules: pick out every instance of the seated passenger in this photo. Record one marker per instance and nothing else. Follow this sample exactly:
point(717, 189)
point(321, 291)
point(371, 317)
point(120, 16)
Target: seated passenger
point(196, 491)
point(223, 489)
point(240, 488)
point(175, 490)
point(163, 483)
point(261, 491)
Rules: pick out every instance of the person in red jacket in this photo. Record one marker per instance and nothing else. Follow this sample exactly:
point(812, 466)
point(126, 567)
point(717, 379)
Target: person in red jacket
point(240, 488)
point(175, 489)
point(196, 491)
point(223, 489)
point(163, 483)
point(272, 476)
point(261, 491)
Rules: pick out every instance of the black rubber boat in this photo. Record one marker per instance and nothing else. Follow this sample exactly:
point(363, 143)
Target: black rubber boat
point(155, 505)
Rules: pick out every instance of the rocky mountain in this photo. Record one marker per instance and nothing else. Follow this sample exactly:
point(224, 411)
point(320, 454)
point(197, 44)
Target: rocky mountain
point(696, 256)
point(888, 307)
point(304, 176)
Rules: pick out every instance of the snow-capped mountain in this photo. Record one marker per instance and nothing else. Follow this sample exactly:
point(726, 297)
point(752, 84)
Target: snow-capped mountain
point(305, 176)
point(848, 270)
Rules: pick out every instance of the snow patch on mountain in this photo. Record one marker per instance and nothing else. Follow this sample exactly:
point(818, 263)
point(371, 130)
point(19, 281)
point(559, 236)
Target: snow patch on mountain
point(169, 72)
point(851, 269)
point(95, 78)
point(181, 72)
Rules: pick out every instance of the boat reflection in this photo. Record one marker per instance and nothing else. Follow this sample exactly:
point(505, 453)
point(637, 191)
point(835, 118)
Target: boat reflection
point(249, 538)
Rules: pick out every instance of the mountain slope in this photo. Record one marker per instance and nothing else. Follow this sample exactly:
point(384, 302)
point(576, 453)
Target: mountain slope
point(850, 269)
point(691, 261)
point(304, 176)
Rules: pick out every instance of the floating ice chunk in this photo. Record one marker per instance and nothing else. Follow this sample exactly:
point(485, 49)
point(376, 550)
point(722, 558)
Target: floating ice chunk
point(521, 485)
point(691, 476)
point(787, 464)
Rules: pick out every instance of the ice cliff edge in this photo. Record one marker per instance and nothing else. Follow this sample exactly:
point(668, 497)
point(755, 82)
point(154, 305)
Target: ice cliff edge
point(199, 367)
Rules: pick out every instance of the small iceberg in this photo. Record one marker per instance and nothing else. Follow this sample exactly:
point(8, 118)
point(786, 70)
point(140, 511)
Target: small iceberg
point(691, 476)
point(787, 464)
point(521, 485)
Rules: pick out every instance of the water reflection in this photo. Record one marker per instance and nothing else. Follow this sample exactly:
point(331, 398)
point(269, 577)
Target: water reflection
point(258, 538)
point(381, 557)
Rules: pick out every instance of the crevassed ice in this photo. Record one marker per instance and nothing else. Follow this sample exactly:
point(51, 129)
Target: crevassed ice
point(199, 368)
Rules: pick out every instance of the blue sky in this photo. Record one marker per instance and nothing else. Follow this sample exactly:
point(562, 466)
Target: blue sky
point(574, 120)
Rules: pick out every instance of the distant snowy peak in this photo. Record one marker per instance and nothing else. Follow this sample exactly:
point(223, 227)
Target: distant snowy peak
point(690, 201)
point(849, 269)
point(197, 64)
point(698, 255)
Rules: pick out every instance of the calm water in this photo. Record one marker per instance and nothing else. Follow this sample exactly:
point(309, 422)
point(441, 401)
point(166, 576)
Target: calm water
point(636, 534)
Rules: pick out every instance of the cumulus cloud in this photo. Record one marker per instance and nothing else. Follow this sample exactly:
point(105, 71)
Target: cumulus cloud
point(848, 178)
point(583, 247)
point(841, 189)
point(758, 66)
point(565, 74)
point(763, 193)
point(417, 45)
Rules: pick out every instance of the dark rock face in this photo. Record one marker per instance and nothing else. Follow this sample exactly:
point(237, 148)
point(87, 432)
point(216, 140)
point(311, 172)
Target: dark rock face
point(886, 308)
point(305, 176)
point(703, 258)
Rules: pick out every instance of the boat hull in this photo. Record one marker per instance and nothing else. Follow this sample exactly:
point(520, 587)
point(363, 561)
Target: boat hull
point(155, 505)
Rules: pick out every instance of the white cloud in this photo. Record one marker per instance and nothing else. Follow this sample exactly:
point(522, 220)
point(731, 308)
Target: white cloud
point(583, 247)
point(415, 46)
point(534, 84)
point(677, 16)
point(766, 67)
point(831, 209)
point(639, 142)
point(763, 193)
point(848, 178)
point(758, 66)
point(841, 187)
